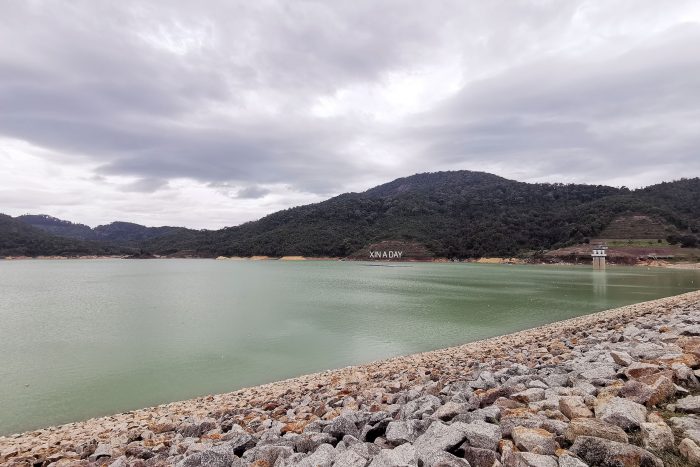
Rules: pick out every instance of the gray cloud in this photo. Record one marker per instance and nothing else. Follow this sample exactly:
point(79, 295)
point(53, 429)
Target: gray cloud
point(622, 115)
point(310, 94)
point(145, 185)
point(252, 192)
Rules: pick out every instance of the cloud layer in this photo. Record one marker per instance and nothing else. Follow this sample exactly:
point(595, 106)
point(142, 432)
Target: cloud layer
point(175, 113)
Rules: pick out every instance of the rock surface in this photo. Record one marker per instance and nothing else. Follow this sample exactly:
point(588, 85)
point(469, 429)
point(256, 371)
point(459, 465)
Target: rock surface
point(607, 389)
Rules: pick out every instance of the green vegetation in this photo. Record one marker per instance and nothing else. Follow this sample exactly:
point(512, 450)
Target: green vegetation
point(20, 239)
point(120, 233)
point(454, 214)
point(685, 241)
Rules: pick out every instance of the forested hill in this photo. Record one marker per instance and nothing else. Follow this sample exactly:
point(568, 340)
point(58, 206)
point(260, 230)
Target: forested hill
point(453, 214)
point(119, 233)
point(20, 239)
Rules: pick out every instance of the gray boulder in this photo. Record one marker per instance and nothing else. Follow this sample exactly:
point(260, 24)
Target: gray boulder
point(341, 426)
point(321, 457)
point(621, 358)
point(478, 457)
point(450, 410)
point(689, 404)
point(269, 454)
point(240, 442)
point(419, 407)
point(120, 462)
point(571, 461)
point(350, 458)
point(197, 428)
point(217, 456)
point(657, 436)
point(440, 459)
point(605, 453)
point(528, 459)
point(600, 373)
point(621, 412)
point(401, 456)
point(309, 442)
point(489, 414)
point(440, 437)
point(103, 450)
point(402, 431)
point(481, 434)
point(686, 423)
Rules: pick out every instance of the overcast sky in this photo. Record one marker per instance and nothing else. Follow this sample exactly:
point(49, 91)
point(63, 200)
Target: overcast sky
point(208, 114)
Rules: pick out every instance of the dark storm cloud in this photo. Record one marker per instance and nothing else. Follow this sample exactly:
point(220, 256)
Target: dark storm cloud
point(225, 93)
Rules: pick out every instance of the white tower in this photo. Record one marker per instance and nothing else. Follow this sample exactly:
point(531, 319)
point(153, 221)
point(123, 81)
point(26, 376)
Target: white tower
point(599, 254)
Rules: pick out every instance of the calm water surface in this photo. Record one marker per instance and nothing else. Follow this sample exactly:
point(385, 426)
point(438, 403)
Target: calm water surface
point(84, 338)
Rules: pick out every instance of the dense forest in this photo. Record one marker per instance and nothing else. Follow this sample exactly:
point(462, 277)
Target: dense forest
point(125, 233)
point(459, 214)
point(20, 239)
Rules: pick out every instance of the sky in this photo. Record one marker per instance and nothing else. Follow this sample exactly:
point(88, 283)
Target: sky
point(210, 114)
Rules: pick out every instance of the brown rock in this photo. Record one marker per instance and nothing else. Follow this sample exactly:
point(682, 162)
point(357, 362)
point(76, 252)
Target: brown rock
point(294, 427)
point(574, 407)
point(636, 391)
point(162, 427)
point(690, 345)
point(649, 390)
point(594, 427)
point(637, 369)
point(529, 395)
point(489, 396)
point(662, 388)
point(535, 440)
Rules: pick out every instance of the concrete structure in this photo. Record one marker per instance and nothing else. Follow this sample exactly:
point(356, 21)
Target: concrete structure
point(599, 254)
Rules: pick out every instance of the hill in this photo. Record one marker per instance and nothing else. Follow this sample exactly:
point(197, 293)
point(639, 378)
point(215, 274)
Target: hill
point(20, 239)
point(460, 214)
point(453, 214)
point(638, 226)
point(57, 226)
point(117, 233)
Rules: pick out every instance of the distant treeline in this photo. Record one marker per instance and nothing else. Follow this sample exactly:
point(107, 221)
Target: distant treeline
point(458, 214)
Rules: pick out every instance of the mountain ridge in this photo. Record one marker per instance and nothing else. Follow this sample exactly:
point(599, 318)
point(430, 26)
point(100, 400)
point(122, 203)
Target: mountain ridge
point(461, 214)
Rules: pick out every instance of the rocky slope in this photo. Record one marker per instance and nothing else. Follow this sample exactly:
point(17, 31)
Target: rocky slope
point(616, 388)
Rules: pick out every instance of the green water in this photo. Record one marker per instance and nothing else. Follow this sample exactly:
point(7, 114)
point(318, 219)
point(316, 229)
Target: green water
point(85, 338)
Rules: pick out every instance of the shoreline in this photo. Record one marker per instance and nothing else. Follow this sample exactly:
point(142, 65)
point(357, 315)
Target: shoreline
point(292, 259)
point(328, 393)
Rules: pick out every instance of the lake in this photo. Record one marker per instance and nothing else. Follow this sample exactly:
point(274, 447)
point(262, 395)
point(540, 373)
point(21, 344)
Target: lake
point(83, 338)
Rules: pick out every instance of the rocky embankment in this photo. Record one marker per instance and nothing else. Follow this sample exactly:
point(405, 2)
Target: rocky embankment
point(617, 388)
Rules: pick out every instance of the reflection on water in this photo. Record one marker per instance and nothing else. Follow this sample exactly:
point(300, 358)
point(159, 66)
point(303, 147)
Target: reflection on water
point(600, 282)
point(86, 338)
